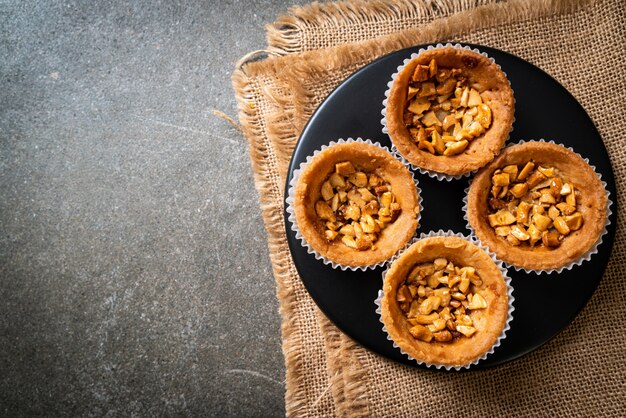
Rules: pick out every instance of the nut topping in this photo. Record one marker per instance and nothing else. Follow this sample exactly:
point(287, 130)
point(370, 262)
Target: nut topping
point(535, 207)
point(356, 207)
point(442, 296)
point(444, 113)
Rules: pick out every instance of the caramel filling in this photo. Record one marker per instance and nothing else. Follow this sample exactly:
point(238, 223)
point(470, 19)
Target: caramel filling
point(436, 299)
point(356, 207)
point(533, 206)
point(444, 112)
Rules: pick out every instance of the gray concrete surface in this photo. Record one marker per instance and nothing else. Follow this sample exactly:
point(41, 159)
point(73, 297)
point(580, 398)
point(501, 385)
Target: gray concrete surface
point(134, 274)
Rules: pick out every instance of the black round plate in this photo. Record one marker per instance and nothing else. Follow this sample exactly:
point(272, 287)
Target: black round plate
point(544, 304)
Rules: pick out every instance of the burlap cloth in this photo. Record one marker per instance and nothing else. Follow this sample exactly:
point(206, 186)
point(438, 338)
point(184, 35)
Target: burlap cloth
point(581, 44)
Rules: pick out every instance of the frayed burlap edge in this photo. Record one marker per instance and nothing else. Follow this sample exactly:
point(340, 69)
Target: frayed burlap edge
point(286, 35)
point(354, 11)
point(290, 117)
point(265, 181)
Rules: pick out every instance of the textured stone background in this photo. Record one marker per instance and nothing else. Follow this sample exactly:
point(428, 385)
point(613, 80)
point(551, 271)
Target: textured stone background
point(134, 274)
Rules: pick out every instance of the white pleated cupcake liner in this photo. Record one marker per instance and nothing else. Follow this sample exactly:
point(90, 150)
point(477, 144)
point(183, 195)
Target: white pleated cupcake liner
point(383, 121)
point(292, 213)
point(507, 281)
point(588, 254)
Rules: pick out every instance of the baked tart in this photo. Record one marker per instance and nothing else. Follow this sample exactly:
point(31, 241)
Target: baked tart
point(450, 110)
point(445, 302)
point(355, 204)
point(538, 206)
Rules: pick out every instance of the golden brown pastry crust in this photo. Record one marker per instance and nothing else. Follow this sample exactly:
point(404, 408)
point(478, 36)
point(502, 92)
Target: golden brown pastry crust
point(489, 322)
point(369, 158)
point(495, 90)
point(592, 202)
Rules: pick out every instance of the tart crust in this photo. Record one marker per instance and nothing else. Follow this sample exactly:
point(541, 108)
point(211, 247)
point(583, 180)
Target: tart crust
point(371, 159)
point(489, 322)
point(487, 78)
point(591, 203)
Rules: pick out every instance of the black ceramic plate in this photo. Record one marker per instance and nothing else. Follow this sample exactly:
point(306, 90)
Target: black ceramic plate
point(544, 304)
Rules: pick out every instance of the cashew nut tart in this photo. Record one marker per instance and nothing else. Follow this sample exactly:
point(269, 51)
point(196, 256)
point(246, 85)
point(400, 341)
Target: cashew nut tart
point(538, 206)
point(450, 110)
point(445, 301)
point(356, 204)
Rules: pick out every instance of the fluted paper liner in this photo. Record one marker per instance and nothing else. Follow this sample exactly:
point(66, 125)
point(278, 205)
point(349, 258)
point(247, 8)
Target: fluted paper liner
point(292, 214)
point(588, 254)
point(383, 121)
point(507, 281)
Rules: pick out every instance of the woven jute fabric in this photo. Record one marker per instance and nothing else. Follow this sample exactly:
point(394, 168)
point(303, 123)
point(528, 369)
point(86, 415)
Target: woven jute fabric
point(312, 50)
